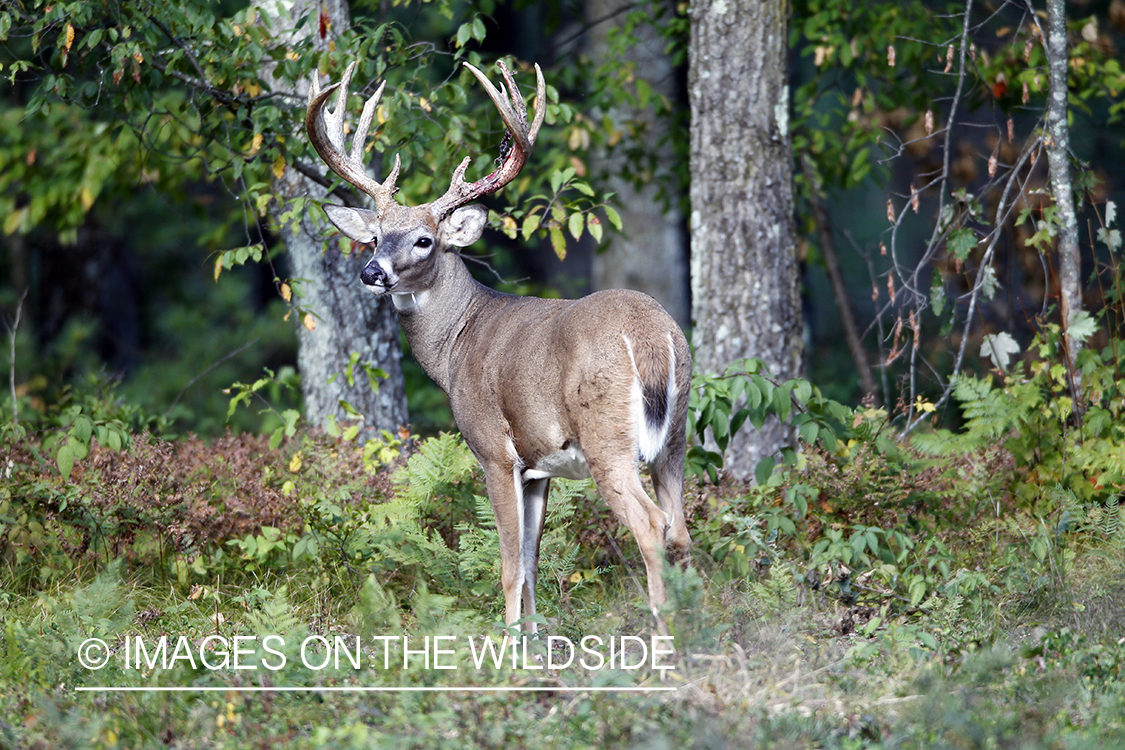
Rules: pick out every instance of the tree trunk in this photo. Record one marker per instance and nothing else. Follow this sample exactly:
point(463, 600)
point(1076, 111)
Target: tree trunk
point(1058, 159)
point(348, 319)
point(745, 296)
point(650, 254)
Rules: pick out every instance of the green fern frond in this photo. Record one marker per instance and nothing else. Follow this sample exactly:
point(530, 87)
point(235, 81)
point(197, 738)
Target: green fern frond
point(275, 615)
point(441, 460)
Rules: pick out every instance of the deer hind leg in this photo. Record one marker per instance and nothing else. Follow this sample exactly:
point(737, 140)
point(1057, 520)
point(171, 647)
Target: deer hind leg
point(667, 473)
point(619, 482)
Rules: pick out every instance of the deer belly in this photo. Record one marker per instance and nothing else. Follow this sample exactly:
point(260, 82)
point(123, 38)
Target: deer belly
point(568, 463)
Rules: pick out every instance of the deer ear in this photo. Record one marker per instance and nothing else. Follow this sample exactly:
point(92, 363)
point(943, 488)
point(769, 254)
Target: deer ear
point(463, 227)
point(357, 223)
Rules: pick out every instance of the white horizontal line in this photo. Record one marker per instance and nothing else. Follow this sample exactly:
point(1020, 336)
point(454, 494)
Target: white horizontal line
point(361, 689)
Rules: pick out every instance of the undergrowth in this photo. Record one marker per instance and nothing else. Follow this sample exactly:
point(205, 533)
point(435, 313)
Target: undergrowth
point(868, 591)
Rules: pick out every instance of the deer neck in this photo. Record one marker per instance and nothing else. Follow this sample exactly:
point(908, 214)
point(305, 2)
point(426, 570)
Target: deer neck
point(432, 318)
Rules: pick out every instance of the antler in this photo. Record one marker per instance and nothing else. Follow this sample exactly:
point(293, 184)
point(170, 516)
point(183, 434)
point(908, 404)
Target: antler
point(327, 136)
point(326, 132)
point(513, 112)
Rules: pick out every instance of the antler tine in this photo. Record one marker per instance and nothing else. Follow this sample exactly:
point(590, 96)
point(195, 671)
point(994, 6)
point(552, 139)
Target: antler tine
point(513, 112)
point(326, 133)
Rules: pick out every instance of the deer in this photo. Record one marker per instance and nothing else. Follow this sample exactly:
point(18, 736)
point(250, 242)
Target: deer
point(539, 388)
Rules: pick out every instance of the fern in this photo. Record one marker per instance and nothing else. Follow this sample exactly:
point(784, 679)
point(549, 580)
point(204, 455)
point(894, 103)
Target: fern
point(776, 593)
point(275, 615)
point(439, 462)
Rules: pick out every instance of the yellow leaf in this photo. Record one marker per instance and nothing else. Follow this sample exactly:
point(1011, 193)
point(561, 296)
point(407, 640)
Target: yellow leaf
point(68, 39)
point(279, 166)
point(575, 577)
point(579, 139)
point(295, 463)
point(425, 104)
point(86, 198)
point(218, 267)
point(309, 322)
point(252, 88)
point(255, 144)
point(381, 115)
point(286, 291)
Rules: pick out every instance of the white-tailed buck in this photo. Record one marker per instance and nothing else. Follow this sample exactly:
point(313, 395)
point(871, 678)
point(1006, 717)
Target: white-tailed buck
point(539, 388)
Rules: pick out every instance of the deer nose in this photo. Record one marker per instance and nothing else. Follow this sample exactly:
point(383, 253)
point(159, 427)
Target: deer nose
point(373, 275)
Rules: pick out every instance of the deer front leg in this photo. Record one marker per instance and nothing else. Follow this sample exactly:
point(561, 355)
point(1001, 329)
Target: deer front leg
point(506, 495)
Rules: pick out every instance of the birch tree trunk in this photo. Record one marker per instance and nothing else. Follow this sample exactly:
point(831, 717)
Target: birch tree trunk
point(745, 296)
point(1058, 159)
point(348, 319)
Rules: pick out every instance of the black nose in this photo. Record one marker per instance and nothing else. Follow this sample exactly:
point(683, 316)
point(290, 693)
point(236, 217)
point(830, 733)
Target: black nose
point(372, 275)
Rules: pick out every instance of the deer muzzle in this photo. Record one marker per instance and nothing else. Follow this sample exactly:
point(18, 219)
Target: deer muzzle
point(377, 278)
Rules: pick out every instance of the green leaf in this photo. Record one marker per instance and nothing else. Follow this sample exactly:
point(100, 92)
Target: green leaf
point(82, 429)
point(961, 242)
point(556, 181)
point(583, 188)
point(764, 469)
point(65, 461)
point(530, 224)
point(614, 217)
point(1082, 326)
point(464, 34)
point(644, 92)
point(575, 224)
point(917, 591)
point(937, 293)
point(780, 403)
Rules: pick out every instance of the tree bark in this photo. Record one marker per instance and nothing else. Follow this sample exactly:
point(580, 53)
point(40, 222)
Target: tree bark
point(650, 254)
point(745, 296)
point(1058, 160)
point(348, 319)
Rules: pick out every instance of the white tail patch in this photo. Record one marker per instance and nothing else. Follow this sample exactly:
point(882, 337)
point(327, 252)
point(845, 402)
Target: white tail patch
point(651, 436)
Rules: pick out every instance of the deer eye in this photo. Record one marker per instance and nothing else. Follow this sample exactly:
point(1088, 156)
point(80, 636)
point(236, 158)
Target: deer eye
point(424, 243)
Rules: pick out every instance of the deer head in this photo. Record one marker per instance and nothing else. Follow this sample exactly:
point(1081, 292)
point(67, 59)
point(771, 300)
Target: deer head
point(409, 240)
